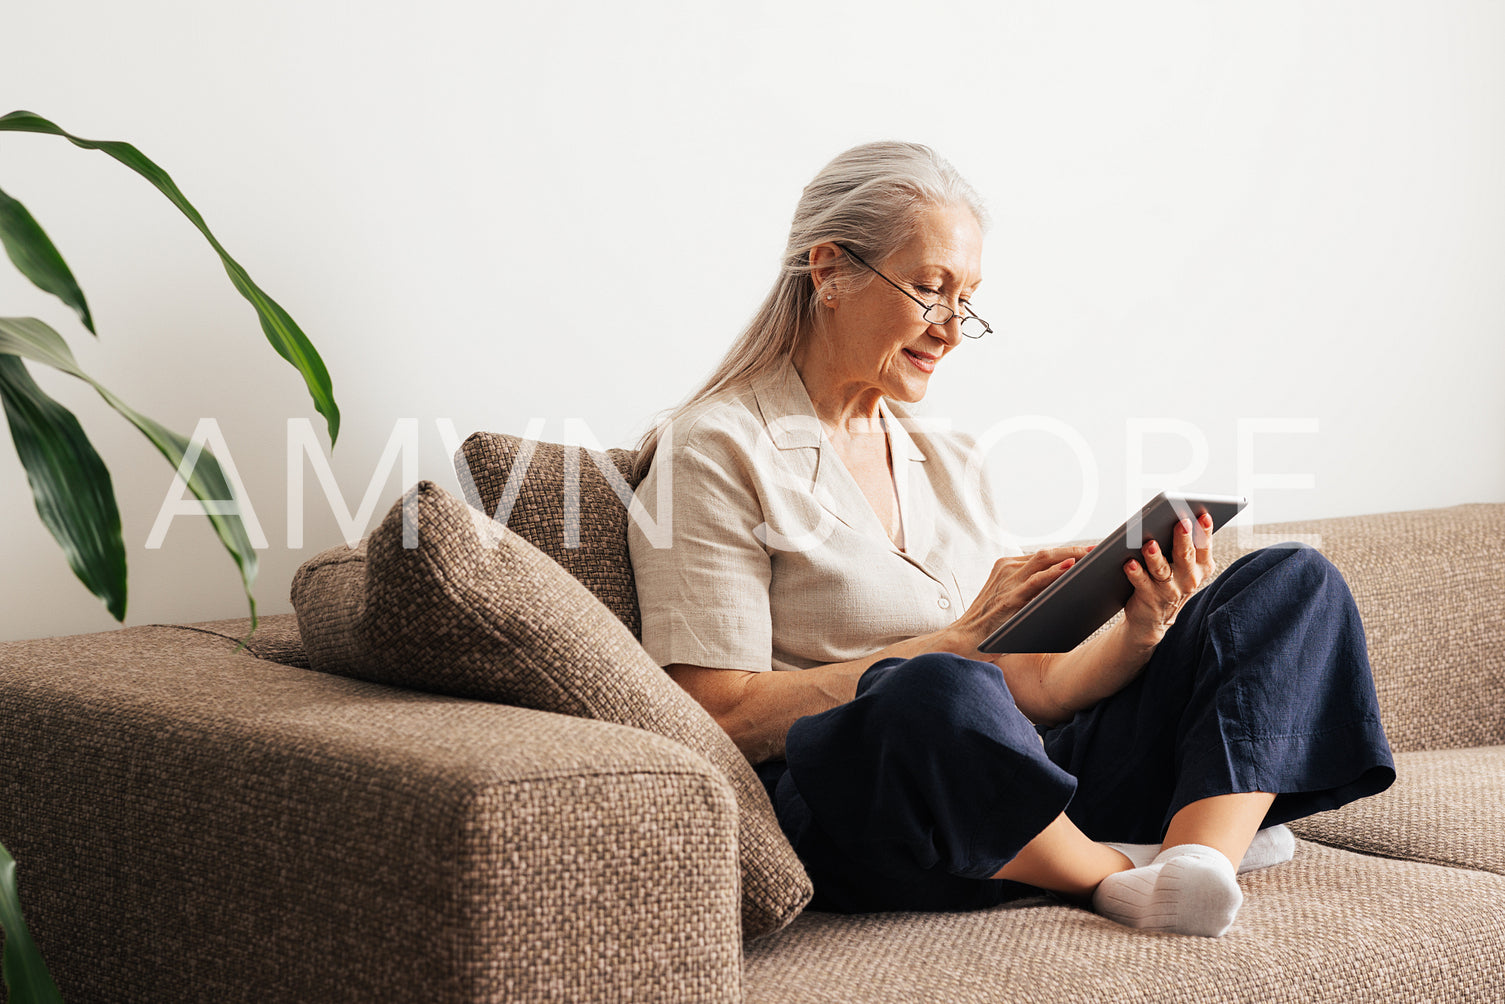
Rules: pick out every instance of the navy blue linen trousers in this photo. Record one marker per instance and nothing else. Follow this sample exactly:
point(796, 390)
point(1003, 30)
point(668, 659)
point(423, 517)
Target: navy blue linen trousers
point(911, 795)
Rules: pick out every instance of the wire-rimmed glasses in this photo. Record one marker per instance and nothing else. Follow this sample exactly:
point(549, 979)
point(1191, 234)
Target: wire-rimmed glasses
point(935, 313)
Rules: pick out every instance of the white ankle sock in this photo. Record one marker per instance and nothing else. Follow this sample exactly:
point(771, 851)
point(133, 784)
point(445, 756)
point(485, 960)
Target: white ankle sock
point(1140, 854)
point(1188, 889)
point(1274, 845)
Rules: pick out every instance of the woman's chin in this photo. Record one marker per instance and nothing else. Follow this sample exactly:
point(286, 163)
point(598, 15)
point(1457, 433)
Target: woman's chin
point(910, 391)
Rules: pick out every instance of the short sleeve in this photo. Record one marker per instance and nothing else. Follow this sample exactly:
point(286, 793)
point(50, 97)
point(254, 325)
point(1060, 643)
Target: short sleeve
point(702, 575)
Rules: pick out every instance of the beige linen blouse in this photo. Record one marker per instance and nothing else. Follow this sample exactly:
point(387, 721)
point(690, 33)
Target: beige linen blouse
point(770, 556)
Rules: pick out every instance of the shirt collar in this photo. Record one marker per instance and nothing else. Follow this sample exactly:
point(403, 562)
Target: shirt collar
point(785, 406)
point(900, 441)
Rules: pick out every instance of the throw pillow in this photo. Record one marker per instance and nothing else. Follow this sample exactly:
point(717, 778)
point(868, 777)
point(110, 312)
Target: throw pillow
point(476, 611)
point(561, 500)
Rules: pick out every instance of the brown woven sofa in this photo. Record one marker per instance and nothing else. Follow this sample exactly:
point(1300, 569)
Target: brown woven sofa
point(199, 823)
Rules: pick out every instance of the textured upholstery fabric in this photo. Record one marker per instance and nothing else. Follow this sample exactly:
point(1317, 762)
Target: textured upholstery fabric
point(329, 596)
point(562, 501)
point(1428, 586)
point(1447, 807)
point(276, 636)
point(192, 825)
point(476, 611)
point(1330, 926)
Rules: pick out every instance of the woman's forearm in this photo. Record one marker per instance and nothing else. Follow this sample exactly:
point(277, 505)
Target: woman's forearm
point(757, 709)
point(1099, 667)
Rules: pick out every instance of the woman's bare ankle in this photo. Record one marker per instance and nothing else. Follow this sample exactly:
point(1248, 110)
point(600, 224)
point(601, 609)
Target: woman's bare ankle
point(1063, 860)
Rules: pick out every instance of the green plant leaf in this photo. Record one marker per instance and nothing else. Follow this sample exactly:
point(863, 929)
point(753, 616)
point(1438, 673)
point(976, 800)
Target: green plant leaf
point(69, 484)
point(26, 974)
point(31, 339)
point(284, 334)
point(34, 254)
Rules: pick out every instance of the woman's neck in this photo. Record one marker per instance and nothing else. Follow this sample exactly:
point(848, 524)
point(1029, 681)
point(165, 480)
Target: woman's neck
point(845, 409)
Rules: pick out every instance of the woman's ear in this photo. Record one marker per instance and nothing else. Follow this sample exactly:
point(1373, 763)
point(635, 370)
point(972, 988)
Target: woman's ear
point(823, 267)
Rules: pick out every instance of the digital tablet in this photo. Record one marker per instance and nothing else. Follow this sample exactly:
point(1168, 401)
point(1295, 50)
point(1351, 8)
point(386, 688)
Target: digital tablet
point(1095, 588)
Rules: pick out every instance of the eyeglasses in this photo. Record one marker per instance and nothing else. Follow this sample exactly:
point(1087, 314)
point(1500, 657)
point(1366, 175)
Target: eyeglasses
point(935, 313)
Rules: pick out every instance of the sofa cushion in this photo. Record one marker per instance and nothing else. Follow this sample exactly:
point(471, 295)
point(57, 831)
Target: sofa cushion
point(1447, 807)
point(569, 502)
point(476, 611)
point(1330, 926)
point(275, 639)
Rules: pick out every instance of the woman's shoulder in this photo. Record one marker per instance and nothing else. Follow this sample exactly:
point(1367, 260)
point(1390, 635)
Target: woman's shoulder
point(710, 448)
point(728, 420)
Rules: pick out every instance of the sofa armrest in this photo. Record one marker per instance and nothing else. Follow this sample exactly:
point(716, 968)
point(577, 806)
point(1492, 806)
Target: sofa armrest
point(191, 823)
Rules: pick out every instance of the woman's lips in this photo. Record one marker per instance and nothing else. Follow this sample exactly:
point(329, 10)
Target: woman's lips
point(924, 363)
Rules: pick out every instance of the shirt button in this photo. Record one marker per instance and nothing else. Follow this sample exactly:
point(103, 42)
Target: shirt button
point(943, 603)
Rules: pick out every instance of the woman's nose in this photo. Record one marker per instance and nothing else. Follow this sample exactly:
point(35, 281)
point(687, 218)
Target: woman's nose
point(950, 332)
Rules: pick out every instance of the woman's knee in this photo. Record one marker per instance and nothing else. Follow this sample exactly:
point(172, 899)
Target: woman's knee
point(929, 676)
point(934, 689)
point(1291, 554)
point(1291, 566)
point(1290, 605)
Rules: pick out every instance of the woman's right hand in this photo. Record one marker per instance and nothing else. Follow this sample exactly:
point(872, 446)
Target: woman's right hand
point(1012, 583)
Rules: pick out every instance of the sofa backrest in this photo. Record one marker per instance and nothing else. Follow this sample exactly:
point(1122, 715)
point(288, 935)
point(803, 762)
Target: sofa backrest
point(1430, 586)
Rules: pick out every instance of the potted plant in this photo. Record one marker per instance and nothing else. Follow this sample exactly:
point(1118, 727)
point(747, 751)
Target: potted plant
point(70, 483)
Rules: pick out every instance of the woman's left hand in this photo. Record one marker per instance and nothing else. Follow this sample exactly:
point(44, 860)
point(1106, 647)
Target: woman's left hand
point(1164, 582)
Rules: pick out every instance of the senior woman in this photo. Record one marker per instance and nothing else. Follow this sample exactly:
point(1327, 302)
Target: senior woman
point(829, 579)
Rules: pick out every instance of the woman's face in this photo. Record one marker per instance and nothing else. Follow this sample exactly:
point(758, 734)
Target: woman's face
point(877, 339)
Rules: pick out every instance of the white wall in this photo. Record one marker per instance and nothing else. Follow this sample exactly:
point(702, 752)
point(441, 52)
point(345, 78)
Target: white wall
point(493, 212)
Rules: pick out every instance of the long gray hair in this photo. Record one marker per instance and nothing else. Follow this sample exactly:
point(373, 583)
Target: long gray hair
point(869, 199)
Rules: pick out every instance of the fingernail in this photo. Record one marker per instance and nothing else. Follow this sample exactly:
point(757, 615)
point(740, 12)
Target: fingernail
point(1133, 566)
point(1206, 520)
point(1151, 548)
point(1185, 526)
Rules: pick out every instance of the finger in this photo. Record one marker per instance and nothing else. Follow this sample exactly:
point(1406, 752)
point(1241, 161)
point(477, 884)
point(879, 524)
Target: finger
point(1186, 570)
point(1040, 559)
point(1015, 566)
point(1181, 541)
point(1048, 575)
point(1142, 581)
point(1052, 555)
point(1036, 583)
point(1201, 539)
point(1030, 564)
point(1155, 563)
